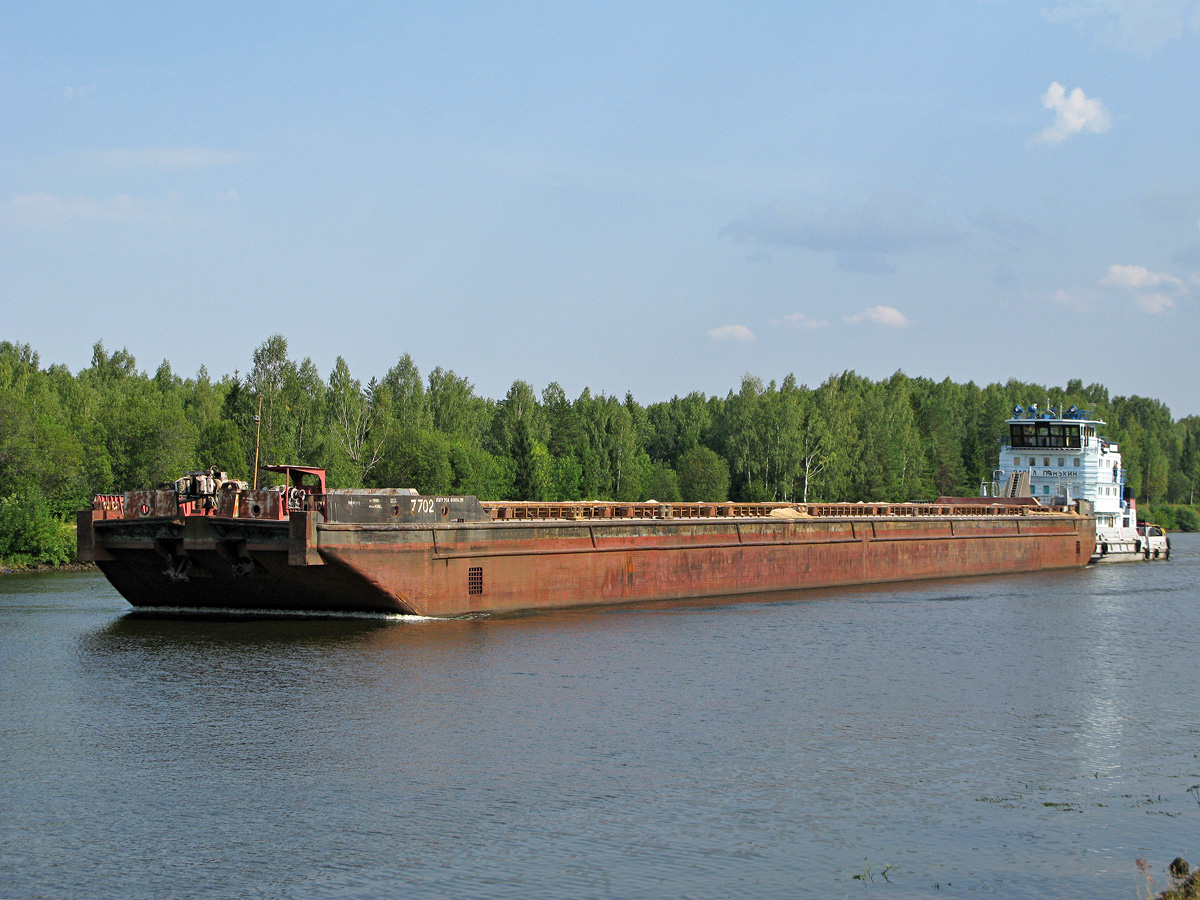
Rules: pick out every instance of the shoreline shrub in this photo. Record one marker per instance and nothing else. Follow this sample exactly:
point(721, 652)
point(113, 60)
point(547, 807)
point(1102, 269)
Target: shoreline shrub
point(30, 534)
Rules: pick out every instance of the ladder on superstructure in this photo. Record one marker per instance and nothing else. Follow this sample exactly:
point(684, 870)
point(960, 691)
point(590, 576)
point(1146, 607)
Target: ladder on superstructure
point(1017, 484)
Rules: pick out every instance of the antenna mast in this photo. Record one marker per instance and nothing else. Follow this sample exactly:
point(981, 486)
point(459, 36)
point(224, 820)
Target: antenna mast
point(257, 435)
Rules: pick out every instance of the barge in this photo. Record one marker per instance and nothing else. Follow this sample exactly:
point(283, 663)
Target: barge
point(211, 542)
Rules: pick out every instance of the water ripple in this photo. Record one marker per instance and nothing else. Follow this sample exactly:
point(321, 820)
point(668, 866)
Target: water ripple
point(1012, 737)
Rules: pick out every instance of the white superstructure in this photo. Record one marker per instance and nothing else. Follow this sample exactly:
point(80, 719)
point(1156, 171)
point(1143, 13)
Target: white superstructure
point(1059, 457)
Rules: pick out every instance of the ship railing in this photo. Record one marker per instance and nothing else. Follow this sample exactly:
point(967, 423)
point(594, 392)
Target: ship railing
point(583, 509)
point(606, 510)
point(897, 510)
point(108, 506)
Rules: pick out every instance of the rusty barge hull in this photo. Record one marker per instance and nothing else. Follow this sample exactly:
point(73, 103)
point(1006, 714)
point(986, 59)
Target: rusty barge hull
point(448, 568)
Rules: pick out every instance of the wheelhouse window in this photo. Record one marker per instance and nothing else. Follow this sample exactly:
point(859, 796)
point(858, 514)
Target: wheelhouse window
point(1037, 434)
point(1023, 434)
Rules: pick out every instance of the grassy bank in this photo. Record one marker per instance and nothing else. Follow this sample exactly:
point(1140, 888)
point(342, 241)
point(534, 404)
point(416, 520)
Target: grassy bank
point(1171, 516)
point(1183, 884)
point(31, 536)
point(7, 568)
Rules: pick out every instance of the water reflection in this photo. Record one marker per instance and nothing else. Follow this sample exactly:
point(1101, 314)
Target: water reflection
point(1006, 736)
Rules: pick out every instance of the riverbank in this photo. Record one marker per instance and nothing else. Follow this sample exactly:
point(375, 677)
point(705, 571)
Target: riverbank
point(1184, 886)
point(7, 568)
point(1171, 516)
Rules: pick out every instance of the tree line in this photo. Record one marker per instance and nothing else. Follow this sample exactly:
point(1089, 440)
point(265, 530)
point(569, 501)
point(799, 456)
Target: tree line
point(110, 427)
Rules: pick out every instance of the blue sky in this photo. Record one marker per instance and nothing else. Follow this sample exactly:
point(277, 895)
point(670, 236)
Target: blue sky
point(645, 197)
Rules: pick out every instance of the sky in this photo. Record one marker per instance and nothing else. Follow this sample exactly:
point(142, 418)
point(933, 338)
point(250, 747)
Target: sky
point(648, 197)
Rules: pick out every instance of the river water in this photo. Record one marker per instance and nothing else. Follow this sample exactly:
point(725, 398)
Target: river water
point(1022, 736)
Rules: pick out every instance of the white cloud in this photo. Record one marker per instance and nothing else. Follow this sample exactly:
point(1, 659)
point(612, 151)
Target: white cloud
point(880, 315)
point(165, 158)
point(1073, 113)
point(73, 93)
point(1154, 292)
point(1155, 302)
point(804, 323)
point(1130, 24)
point(861, 240)
point(731, 333)
point(42, 211)
point(1137, 277)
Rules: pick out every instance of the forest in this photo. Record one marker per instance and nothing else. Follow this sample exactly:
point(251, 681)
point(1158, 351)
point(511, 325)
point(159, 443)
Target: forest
point(110, 427)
